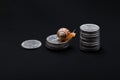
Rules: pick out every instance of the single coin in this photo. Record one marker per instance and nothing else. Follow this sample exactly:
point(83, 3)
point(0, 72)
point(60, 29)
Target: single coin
point(89, 27)
point(31, 44)
point(89, 43)
point(95, 39)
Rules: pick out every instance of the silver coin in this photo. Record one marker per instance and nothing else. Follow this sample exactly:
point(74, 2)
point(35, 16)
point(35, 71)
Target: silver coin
point(90, 43)
point(89, 27)
point(89, 48)
point(95, 39)
point(56, 45)
point(31, 44)
point(85, 32)
point(53, 43)
point(89, 35)
point(53, 39)
point(56, 48)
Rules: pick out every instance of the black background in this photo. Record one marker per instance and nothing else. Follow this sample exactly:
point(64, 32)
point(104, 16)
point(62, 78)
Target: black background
point(37, 19)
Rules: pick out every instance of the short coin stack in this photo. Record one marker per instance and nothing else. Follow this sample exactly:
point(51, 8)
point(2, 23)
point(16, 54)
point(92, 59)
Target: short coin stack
point(53, 43)
point(89, 37)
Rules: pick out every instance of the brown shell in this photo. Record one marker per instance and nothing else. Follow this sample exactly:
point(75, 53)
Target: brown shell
point(65, 35)
point(63, 30)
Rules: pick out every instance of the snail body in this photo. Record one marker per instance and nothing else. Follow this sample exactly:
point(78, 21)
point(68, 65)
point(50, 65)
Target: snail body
point(64, 34)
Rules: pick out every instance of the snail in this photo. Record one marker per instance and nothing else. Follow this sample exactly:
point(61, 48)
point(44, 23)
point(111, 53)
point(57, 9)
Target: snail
point(65, 34)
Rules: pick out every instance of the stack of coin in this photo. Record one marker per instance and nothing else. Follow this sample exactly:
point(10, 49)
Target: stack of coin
point(53, 43)
point(89, 37)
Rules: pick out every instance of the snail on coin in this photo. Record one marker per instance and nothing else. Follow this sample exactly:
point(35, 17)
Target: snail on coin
point(65, 34)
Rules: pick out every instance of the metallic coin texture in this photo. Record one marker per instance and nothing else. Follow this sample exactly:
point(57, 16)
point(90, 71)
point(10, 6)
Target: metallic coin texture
point(53, 43)
point(89, 37)
point(31, 44)
point(89, 27)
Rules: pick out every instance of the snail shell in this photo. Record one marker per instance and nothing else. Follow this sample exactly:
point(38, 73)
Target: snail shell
point(63, 33)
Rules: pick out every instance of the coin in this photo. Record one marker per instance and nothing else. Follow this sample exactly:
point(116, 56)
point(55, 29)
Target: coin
point(53, 43)
point(89, 48)
point(89, 43)
point(31, 44)
point(54, 40)
point(89, 35)
point(89, 27)
point(56, 48)
point(95, 39)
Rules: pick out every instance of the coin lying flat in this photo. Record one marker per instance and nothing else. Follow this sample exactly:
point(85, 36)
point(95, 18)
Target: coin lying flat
point(89, 27)
point(53, 43)
point(31, 44)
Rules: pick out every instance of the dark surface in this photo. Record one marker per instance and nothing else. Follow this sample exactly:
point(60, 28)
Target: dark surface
point(37, 19)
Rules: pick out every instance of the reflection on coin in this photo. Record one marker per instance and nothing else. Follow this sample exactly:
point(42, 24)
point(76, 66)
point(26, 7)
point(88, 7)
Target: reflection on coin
point(31, 44)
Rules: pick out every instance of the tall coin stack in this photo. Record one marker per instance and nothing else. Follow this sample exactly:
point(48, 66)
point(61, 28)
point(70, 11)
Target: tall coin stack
point(89, 37)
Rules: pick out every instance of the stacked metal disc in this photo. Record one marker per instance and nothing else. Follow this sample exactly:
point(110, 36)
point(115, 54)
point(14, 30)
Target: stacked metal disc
point(53, 43)
point(89, 37)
